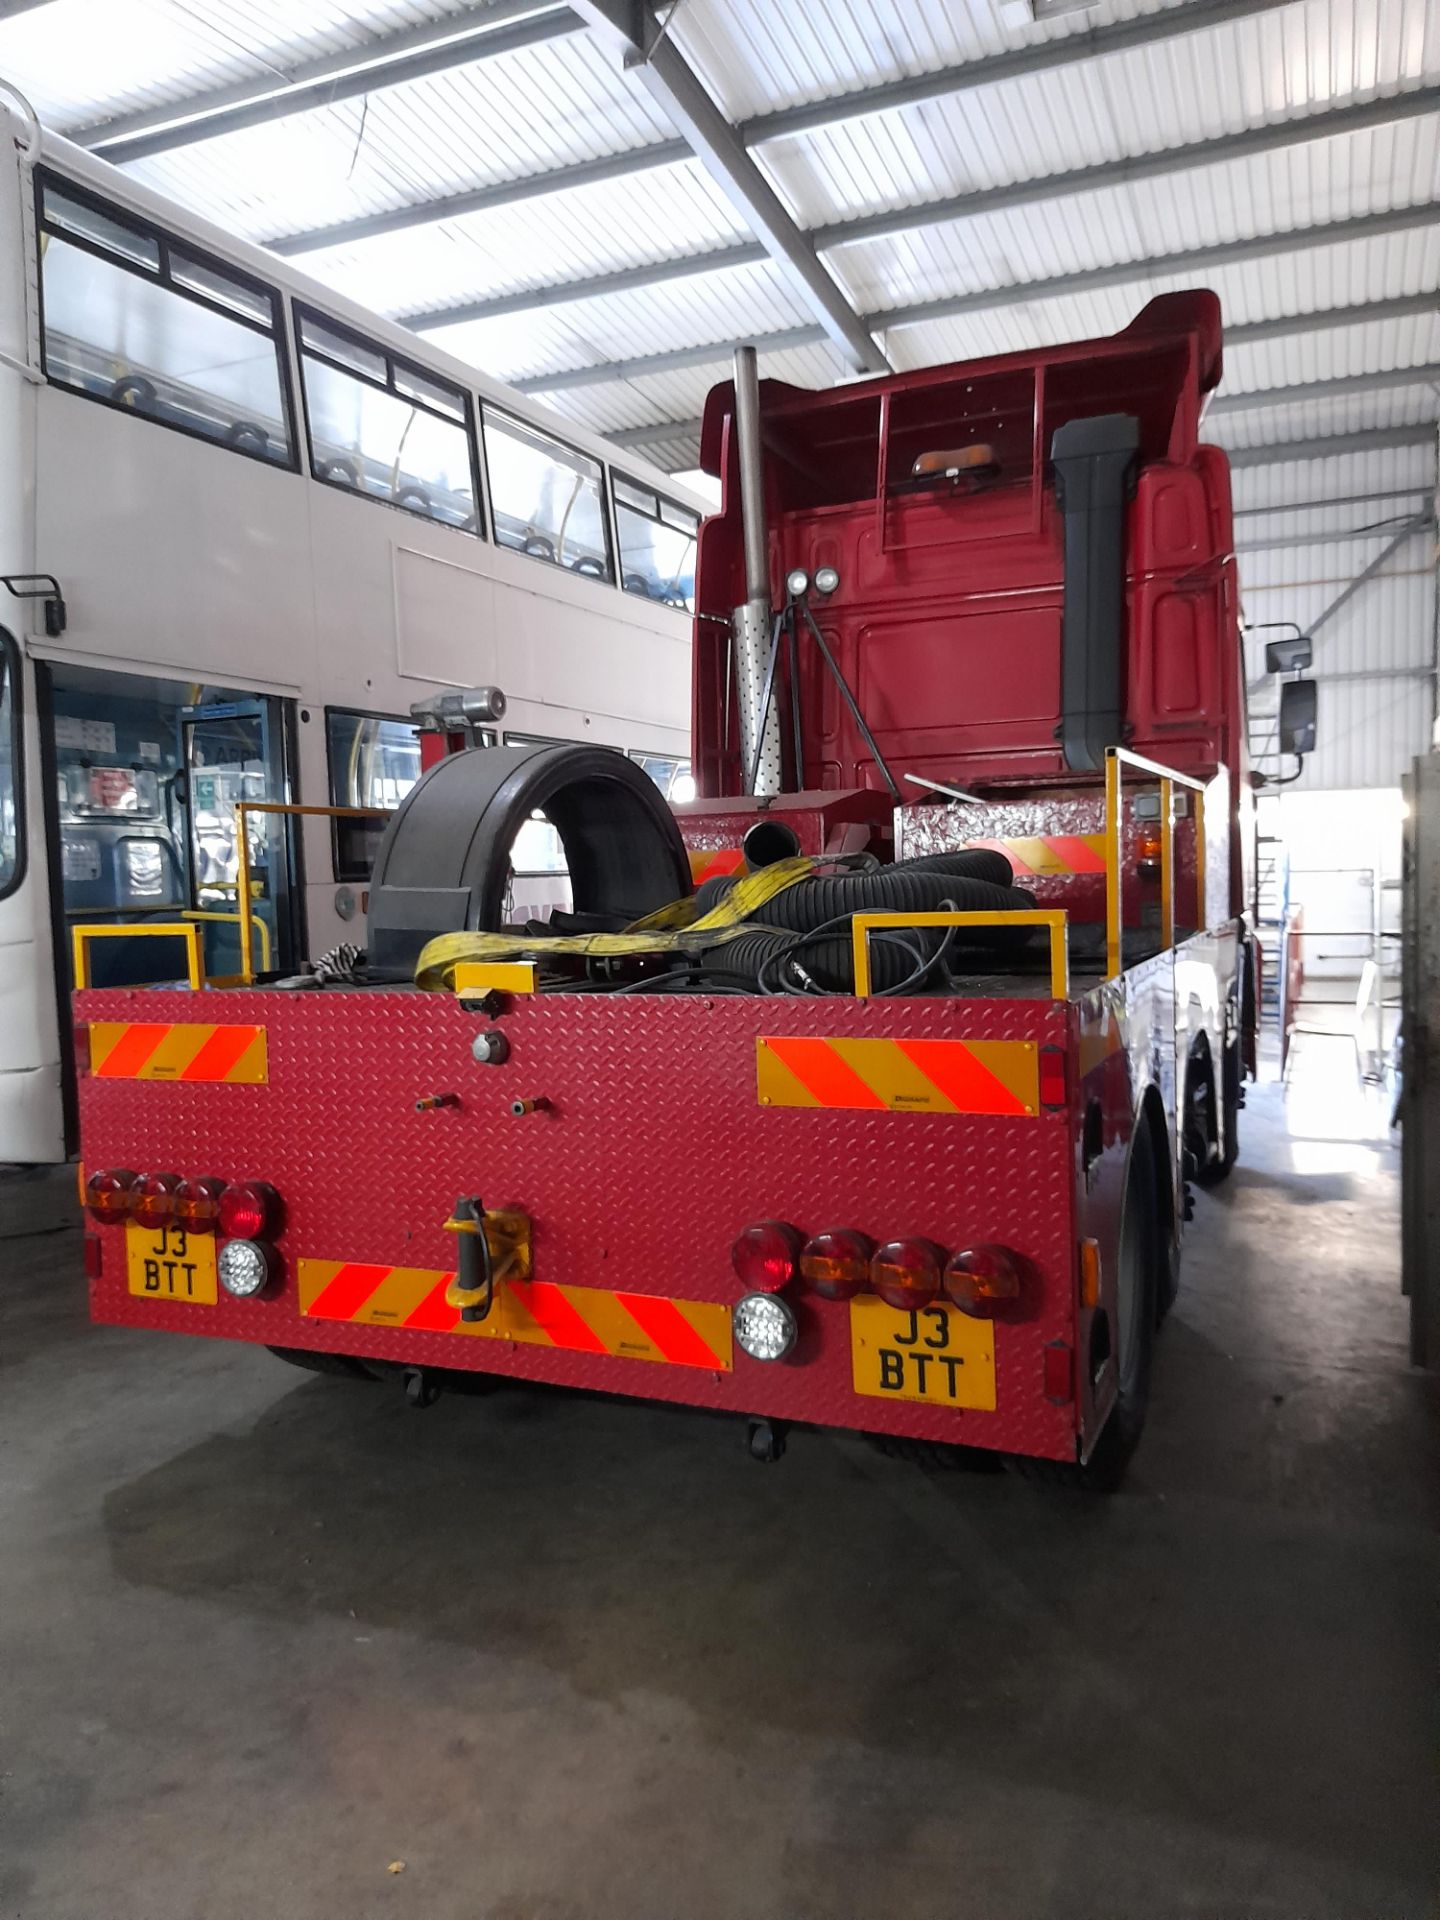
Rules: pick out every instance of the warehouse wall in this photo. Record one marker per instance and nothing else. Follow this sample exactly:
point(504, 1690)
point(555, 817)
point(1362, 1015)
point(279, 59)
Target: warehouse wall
point(1374, 660)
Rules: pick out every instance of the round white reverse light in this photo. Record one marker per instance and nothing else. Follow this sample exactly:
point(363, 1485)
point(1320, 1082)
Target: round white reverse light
point(797, 582)
point(826, 579)
point(244, 1268)
point(764, 1326)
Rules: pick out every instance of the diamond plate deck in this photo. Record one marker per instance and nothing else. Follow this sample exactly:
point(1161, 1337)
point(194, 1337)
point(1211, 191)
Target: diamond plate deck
point(653, 1155)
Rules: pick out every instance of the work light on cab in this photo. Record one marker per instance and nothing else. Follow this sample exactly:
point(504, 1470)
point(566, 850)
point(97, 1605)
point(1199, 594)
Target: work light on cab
point(765, 1256)
point(249, 1210)
point(836, 1264)
point(985, 1280)
point(906, 1273)
point(152, 1201)
point(107, 1195)
point(197, 1204)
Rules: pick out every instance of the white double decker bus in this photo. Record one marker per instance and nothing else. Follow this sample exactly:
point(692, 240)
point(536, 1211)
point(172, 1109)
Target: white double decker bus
point(244, 527)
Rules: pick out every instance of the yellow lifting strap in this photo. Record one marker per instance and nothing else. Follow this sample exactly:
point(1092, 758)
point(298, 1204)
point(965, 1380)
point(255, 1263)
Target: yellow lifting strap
point(672, 929)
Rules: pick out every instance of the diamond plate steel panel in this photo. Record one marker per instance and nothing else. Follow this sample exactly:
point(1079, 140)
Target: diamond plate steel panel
point(653, 1155)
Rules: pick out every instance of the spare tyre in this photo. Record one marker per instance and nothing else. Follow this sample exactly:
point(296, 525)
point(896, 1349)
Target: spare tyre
point(444, 861)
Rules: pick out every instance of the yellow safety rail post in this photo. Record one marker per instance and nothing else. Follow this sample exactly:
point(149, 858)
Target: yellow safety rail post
point(1168, 779)
point(233, 920)
point(82, 937)
point(243, 810)
point(1053, 919)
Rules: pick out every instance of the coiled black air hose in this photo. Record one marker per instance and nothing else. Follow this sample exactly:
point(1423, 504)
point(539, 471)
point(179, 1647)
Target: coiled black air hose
point(810, 903)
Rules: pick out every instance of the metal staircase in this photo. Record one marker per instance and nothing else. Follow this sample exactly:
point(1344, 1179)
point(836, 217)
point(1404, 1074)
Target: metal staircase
point(1272, 889)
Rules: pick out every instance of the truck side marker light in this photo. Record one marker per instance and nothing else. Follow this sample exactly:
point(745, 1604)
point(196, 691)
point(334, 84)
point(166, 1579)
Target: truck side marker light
point(1053, 1090)
point(1089, 1273)
point(1059, 1376)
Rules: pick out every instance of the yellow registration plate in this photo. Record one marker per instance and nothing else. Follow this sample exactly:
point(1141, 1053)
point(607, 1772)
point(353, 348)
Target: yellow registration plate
point(171, 1264)
point(937, 1355)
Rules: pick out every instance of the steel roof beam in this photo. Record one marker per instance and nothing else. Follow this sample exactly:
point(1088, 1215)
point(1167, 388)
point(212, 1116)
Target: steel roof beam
point(746, 253)
point(1336, 500)
point(1126, 172)
point(1365, 226)
point(1225, 253)
point(945, 81)
point(1289, 541)
point(508, 193)
point(654, 58)
point(458, 40)
point(651, 436)
point(717, 351)
point(1018, 64)
point(1332, 445)
point(1341, 385)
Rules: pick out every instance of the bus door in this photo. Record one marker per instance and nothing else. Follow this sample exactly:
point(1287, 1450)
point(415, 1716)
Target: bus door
point(236, 751)
point(32, 1109)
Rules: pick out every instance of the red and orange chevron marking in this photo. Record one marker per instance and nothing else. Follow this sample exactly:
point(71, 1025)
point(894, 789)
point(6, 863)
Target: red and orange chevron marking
point(899, 1076)
point(706, 862)
point(178, 1050)
point(629, 1326)
point(1051, 853)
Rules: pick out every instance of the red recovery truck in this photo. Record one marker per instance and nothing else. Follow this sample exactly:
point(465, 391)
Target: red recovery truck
point(867, 1093)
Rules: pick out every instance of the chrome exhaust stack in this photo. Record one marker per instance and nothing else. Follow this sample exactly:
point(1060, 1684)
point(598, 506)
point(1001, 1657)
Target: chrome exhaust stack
point(750, 623)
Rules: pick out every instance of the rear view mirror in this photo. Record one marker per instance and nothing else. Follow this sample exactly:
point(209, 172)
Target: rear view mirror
point(1289, 656)
point(1297, 714)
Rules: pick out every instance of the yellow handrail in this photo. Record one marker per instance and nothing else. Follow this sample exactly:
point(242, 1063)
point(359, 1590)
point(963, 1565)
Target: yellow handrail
point(1054, 919)
point(1168, 779)
point(243, 809)
point(82, 936)
point(233, 920)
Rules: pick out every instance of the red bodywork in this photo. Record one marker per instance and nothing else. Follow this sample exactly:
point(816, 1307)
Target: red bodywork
point(652, 1145)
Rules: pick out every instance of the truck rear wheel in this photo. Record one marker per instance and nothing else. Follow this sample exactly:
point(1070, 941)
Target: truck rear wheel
point(1138, 1275)
point(1218, 1167)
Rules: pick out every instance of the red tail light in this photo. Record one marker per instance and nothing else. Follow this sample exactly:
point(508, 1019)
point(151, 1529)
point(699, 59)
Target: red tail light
point(906, 1273)
point(197, 1204)
point(153, 1201)
point(837, 1264)
point(107, 1195)
point(249, 1211)
point(764, 1256)
point(984, 1280)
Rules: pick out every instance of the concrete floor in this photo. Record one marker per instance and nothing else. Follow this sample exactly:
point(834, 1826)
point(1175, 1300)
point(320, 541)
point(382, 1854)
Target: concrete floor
point(265, 1635)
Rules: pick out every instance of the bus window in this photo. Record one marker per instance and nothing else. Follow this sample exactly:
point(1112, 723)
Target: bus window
point(10, 815)
point(384, 429)
point(547, 499)
point(374, 762)
point(657, 545)
point(671, 775)
point(136, 320)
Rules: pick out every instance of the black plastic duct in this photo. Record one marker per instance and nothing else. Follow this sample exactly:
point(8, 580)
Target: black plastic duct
point(444, 861)
point(1093, 461)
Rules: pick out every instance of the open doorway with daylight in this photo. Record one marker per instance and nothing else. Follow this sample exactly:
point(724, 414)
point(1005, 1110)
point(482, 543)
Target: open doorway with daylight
point(147, 777)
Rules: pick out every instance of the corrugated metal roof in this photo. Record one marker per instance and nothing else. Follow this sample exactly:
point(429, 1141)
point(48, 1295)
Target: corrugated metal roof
point(80, 61)
point(496, 120)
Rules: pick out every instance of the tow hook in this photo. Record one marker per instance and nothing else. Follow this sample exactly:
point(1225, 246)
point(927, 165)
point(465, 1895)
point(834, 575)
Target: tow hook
point(421, 1388)
point(764, 1439)
point(473, 1288)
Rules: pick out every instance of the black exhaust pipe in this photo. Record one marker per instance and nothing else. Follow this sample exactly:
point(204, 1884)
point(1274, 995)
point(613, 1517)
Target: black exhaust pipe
point(1094, 462)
